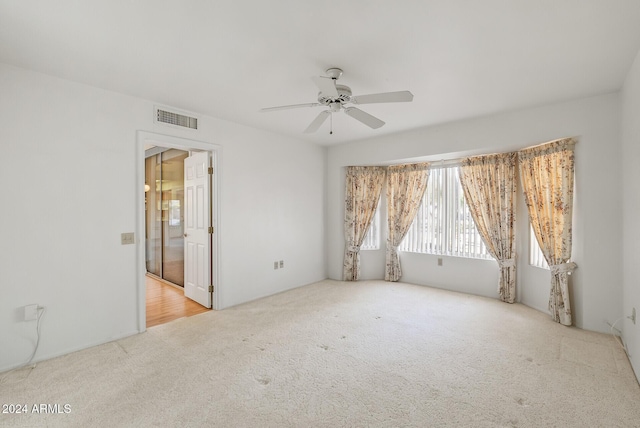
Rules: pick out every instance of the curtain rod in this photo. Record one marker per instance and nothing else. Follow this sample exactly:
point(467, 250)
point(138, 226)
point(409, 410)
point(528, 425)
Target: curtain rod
point(444, 163)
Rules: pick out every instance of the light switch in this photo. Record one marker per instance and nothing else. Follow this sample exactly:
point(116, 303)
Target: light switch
point(127, 238)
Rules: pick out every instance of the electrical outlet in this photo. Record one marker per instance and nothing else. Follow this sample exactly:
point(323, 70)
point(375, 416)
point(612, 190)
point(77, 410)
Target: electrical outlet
point(439, 261)
point(275, 264)
point(281, 264)
point(31, 312)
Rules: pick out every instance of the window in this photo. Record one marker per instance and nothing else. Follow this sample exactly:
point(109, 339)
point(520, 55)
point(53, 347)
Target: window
point(372, 238)
point(536, 258)
point(444, 224)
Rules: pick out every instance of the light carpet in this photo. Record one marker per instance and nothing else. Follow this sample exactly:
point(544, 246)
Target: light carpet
point(337, 354)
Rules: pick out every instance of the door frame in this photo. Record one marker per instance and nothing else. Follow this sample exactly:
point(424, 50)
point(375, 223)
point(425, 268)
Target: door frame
point(143, 139)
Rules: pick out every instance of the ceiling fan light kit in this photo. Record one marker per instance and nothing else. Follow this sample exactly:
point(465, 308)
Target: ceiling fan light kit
point(335, 97)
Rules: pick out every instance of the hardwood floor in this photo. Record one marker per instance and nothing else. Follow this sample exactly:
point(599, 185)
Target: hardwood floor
point(167, 303)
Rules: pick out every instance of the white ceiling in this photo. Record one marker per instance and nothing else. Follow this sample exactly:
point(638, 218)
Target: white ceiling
point(229, 58)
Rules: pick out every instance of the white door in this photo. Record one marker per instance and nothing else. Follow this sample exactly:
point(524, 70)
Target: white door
point(197, 232)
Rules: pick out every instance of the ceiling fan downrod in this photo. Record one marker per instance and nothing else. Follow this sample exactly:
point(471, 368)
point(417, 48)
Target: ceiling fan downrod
point(334, 73)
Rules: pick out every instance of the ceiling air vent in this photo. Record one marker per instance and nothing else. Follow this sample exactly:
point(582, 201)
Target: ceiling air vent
point(177, 119)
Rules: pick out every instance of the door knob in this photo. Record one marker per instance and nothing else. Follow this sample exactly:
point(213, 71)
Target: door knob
point(185, 235)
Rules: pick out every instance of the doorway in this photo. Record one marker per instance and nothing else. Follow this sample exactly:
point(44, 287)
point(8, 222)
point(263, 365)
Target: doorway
point(162, 216)
point(166, 303)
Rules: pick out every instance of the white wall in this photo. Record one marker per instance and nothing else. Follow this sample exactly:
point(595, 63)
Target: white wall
point(597, 290)
point(68, 169)
point(631, 210)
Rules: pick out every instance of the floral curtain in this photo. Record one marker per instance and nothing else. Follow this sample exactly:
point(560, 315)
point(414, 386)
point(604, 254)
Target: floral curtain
point(405, 187)
point(489, 185)
point(362, 193)
point(546, 172)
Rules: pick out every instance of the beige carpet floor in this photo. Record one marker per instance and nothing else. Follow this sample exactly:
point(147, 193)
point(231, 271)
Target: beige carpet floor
point(334, 354)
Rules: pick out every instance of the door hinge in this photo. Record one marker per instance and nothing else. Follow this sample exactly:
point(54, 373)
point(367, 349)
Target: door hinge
point(210, 170)
point(210, 229)
point(211, 289)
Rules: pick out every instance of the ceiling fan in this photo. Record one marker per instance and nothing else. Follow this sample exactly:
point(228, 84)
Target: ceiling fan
point(336, 96)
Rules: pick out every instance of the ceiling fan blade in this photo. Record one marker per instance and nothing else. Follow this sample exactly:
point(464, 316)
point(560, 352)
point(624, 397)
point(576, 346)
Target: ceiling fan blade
point(327, 86)
point(264, 110)
point(319, 120)
point(371, 121)
point(385, 97)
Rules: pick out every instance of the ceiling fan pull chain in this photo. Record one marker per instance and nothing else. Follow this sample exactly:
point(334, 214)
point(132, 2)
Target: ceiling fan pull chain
point(331, 125)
